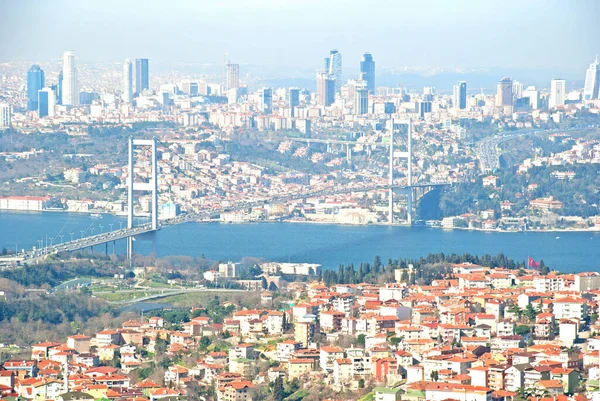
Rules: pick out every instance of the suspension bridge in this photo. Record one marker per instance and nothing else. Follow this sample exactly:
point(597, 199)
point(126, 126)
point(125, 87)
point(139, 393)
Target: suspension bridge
point(131, 230)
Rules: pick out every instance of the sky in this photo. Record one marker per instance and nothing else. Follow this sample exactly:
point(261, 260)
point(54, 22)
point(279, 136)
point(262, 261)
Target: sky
point(554, 35)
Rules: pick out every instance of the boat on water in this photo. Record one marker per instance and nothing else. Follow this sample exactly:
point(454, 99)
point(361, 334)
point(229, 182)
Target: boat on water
point(96, 215)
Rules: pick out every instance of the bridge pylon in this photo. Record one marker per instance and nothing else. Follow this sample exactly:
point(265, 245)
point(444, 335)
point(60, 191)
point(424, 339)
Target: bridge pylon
point(404, 155)
point(132, 186)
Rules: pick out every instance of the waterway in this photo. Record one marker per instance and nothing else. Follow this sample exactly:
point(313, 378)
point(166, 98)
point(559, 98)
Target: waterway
point(326, 244)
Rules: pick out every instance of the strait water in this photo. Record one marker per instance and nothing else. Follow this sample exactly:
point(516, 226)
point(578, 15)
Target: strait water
point(326, 244)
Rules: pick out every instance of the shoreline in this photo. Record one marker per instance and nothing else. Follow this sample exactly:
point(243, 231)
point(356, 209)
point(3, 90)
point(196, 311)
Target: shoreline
point(121, 215)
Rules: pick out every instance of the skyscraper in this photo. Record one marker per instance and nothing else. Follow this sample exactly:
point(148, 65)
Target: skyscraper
point(325, 89)
point(459, 95)
point(70, 89)
point(361, 101)
point(367, 69)
point(127, 81)
point(592, 81)
point(534, 97)
point(333, 66)
point(292, 98)
point(5, 115)
point(141, 75)
point(35, 82)
point(46, 102)
point(557, 93)
point(59, 88)
point(233, 76)
point(265, 100)
point(504, 96)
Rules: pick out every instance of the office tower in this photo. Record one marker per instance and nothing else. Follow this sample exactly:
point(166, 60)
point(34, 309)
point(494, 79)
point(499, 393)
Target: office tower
point(46, 102)
point(265, 100)
point(459, 95)
point(35, 82)
point(557, 93)
point(504, 96)
point(233, 76)
point(534, 97)
point(517, 90)
point(70, 89)
point(127, 81)
point(592, 81)
point(367, 68)
point(292, 98)
point(424, 107)
point(333, 66)
point(5, 115)
point(428, 93)
point(189, 87)
point(141, 75)
point(361, 101)
point(59, 88)
point(325, 89)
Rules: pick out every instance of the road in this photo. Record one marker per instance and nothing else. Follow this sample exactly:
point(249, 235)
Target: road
point(488, 152)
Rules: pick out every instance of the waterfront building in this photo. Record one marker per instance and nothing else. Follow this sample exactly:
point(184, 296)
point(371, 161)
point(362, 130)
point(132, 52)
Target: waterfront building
point(35, 82)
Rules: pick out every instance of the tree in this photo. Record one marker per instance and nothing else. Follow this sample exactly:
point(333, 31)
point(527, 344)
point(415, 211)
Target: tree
point(530, 313)
point(272, 286)
point(361, 383)
point(264, 283)
point(360, 340)
point(522, 330)
point(278, 389)
point(434, 375)
point(543, 268)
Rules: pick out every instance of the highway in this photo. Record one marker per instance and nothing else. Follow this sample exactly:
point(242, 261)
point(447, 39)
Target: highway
point(487, 148)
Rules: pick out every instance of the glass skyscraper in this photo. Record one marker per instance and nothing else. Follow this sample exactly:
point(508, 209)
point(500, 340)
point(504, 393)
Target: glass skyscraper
point(35, 82)
point(141, 75)
point(265, 97)
point(367, 70)
point(46, 102)
point(333, 66)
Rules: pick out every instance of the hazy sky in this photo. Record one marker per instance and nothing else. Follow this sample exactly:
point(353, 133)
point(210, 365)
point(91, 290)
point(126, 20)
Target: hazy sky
point(559, 35)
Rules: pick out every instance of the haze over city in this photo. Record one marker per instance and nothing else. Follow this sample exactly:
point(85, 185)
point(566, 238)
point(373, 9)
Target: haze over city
point(552, 36)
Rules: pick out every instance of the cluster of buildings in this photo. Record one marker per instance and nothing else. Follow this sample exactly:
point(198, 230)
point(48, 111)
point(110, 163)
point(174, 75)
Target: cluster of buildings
point(479, 334)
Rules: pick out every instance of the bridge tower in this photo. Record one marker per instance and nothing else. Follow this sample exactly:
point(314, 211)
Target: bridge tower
point(132, 186)
point(401, 155)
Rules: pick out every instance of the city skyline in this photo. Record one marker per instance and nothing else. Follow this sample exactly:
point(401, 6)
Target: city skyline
point(441, 20)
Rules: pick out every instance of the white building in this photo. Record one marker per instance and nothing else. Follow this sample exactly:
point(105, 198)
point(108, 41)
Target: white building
point(128, 81)
point(5, 115)
point(557, 93)
point(592, 80)
point(70, 89)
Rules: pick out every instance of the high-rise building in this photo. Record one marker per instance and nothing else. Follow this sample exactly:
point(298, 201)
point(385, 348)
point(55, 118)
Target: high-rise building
point(141, 75)
point(292, 98)
point(557, 93)
point(361, 101)
point(265, 100)
point(504, 96)
point(58, 89)
point(128, 81)
point(333, 66)
point(70, 88)
point(35, 82)
point(46, 102)
point(5, 115)
point(367, 68)
point(459, 95)
point(423, 107)
point(325, 89)
point(233, 76)
point(592, 81)
point(534, 97)
point(517, 90)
